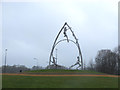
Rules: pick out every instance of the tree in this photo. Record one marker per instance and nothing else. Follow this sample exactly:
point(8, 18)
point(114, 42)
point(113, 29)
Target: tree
point(117, 51)
point(106, 61)
point(37, 67)
point(91, 65)
point(14, 68)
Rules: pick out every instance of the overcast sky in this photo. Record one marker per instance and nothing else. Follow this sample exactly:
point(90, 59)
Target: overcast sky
point(30, 28)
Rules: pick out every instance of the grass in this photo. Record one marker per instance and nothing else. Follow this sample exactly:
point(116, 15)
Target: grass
point(58, 82)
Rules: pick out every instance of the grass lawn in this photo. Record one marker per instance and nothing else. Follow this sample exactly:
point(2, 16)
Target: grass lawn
point(58, 82)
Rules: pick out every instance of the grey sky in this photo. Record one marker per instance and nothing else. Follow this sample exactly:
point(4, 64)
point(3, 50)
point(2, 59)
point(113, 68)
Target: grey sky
point(29, 29)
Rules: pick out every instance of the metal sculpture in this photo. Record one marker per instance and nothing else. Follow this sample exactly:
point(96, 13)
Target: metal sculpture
point(66, 27)
point(77, 63)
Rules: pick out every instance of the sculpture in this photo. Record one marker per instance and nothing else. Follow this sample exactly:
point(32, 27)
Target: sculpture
point(65, 28)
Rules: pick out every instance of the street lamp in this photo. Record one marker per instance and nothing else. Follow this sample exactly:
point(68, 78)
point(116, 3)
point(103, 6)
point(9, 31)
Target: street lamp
point(36, 60)
point(56, 55)
point(5, 60)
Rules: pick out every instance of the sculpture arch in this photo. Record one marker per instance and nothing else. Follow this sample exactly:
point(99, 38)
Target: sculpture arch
point(65, 28)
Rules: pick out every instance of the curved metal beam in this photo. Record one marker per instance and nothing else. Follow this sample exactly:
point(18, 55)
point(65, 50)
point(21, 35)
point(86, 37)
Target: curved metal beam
point(64, 40)
point(55, 42)
point(61, 41)
point(78, 45)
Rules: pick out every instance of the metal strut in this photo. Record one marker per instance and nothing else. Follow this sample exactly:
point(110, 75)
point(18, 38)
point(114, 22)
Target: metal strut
point(80, 59)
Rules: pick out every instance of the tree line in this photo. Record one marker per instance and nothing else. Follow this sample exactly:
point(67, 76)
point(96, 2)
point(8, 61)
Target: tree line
point(17, 68)
point(106, 61)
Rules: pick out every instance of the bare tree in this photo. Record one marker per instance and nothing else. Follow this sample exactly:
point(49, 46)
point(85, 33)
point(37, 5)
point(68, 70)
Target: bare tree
point(106, 61)
point(91, 65)
point(15, 68)
point(117, 51)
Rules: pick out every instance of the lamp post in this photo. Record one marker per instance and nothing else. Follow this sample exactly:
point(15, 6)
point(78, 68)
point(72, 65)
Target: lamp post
point(36, 60)
point(56, 55)
point(5, 60)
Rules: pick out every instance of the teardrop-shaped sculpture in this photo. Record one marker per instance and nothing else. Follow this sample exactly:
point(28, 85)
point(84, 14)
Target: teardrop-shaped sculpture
point(65, 28)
